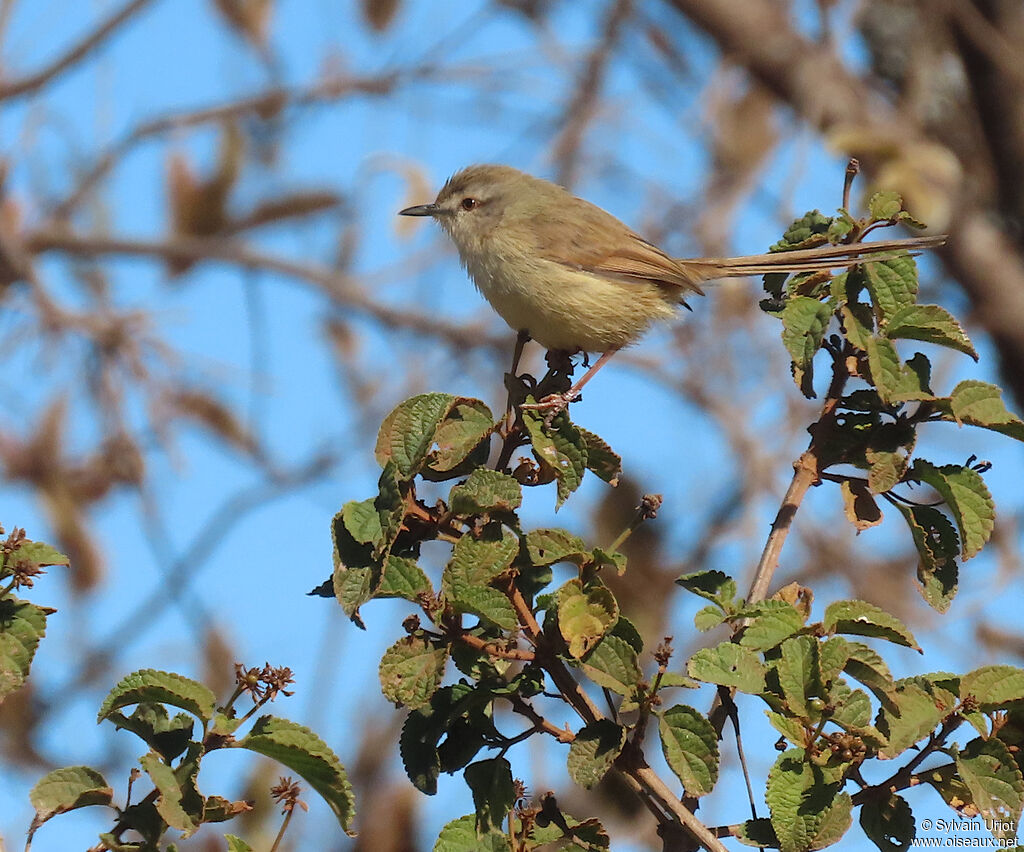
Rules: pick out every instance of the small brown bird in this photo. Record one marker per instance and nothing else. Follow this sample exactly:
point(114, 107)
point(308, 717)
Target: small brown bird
point(571, 276)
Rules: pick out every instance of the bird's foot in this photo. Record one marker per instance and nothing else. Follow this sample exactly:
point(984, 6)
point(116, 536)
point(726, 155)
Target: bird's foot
point(552, 404)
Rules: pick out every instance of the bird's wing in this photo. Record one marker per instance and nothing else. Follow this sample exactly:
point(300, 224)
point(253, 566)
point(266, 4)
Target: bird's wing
point(597, 242)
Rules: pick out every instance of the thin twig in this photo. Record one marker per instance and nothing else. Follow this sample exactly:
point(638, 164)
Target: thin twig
point(87, 44)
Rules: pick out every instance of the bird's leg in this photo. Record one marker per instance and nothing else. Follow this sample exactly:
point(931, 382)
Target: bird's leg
point(511, 377)
point(553, 403)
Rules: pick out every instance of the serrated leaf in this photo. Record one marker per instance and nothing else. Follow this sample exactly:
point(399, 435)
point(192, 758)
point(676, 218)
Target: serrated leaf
point(994, 779)
point(728, 664)
point(548, 546)
point(867, 667)
point(411, 670)
point(236, 844)
point(601, 558)
point(795, 669)
point(757, 832)
point(807, 231)
point(403, 578)
point(567, 834)
point(561, 447)
point(302, 751)
point(852, 708)
point(171, 796)
point(770, 622)
point(167, 736)
point(967, 498)
point(35, 554)
point(790, 728)
point(362, 521)
point(885, 205)
point(158, 687)
point(859, 504)
point(807, 811)
point(888, 823)
point(892, 284)
point(938, 546)
point(895, 381)
point(593, 752)
point(390, 506)
point(690, 745)
point(585, 614)
point(626, 630)
point(460, 835)
point(475, 563)
point(486, 491)
point(833, 654)
point(804, 322)
point(859, 618)
point(410, 430)
point(613, 664)
point(602, 460)
point(886, 468)
point(981, 404)
point(993, 686)
point(714, 586)
point(68, 789)
point(707, 618)
point(493, 793)
point(911, 715)
point(22, 625)
point(930, 324)
point(459, 438)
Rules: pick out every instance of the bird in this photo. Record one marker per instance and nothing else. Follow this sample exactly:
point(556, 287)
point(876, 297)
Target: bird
point(571, 276)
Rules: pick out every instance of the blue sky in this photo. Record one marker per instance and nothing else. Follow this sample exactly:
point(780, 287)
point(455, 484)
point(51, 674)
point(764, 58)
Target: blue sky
point(253, 584)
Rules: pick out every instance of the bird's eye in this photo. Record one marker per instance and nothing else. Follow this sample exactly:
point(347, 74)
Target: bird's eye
point(469, 203)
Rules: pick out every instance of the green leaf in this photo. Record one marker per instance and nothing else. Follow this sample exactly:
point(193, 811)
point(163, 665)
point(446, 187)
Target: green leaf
point(795, 670)
point(403, 578)
point(22, 625)
point(886, 468)
point(858, 323)
point(997, 788)
point(236, 844)
point(892, 284)
point(613, 664)
point(930, 324)
point(171, 800)
point(493, 793)
point(967, 498)
point(460, 438)
point(894, 380)
point(981, 404)
point(475, 563)
point(626, 630)
point(410, 430)
point(771, 622)
point(707, 618)
point(34, 554)
point(913, 715)
point(938, 546)
point(833, 655)
point(888, 823)
point(68, 789)
point(867, 667)
point(560, 447)
point(460, 836)
point(804, 323)
point(807, 809)
point(885, 205)
point(807, 231)
point(548, 546)
point(690, 745)
point(486, 491)
point(411, 670)
point(757, 832)
point(859, 618)
point(167, 736)
point(714, 586)
point(158, 687)
point(585, 614)
point(728, 664)
point(993, 686)
point(593, 752)
point(790, 728)
point(302, 751)
point(390, 506)
point(602, 460)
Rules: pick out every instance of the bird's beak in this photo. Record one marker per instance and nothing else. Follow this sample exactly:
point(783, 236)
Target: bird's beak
point(421, 210)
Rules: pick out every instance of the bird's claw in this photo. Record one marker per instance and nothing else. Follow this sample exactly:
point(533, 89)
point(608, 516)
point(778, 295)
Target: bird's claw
point(552, 404)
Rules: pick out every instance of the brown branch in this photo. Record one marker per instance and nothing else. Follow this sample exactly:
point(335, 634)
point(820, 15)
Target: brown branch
point(339, 287)
point(31, 82)
point(493, 650)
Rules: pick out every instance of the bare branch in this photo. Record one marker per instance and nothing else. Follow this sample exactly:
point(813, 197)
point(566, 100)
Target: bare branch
point(31, 82)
